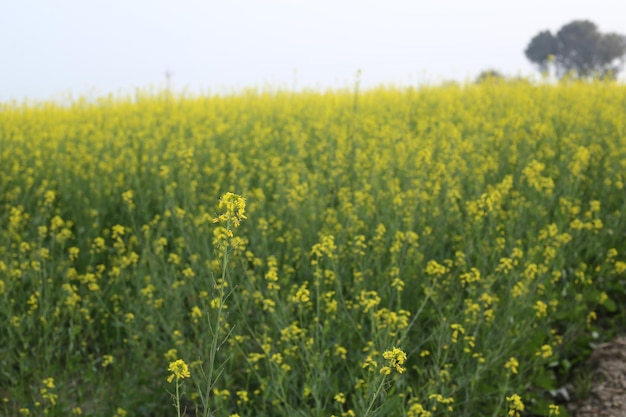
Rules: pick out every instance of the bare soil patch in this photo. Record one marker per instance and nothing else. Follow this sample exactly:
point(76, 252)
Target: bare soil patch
point(607, 396)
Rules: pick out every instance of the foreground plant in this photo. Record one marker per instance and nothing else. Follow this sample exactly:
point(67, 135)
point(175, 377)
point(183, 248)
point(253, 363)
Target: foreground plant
point(179, 371)
point(395, 359)
point(233, 207)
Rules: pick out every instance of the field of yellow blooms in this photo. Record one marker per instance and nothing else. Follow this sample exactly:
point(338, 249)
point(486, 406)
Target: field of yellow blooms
point(437, 251)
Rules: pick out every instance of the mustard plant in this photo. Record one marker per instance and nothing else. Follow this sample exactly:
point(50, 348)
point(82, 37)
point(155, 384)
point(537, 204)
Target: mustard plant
point(479, 228)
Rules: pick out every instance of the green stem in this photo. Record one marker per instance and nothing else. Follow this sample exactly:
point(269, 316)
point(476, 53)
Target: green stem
point(215, 332)
point(380, 387)
point(503, 391)
point(177, 398)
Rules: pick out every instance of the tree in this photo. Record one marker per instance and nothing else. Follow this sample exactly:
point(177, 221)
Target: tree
point(541, 48)
point(490, 75)
point(578, 49)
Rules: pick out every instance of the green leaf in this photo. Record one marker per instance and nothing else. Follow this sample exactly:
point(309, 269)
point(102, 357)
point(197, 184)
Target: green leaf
point(609, 304)
point(545, 380)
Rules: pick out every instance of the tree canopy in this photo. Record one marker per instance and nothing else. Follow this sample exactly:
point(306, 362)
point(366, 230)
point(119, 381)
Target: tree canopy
point(579, 49)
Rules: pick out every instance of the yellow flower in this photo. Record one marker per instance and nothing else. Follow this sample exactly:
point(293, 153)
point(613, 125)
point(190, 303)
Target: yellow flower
point(127, 196)
point(591, 317)
point(512, 364)
point(179, 370)
point(341, 352)
point(395, 357)
point(515, 405)
point(196, 313)
point(106, 360)
point(45, 391)
point(235, 206)
point(340, 398)
point(120, 412)
point(545, 351)
point(417, 410)
point(541, 309)
point(73, 253)
point(243, 396)
point(456, 329)
point(117, 231)
point(223, 394)
point(554, 410)
point(49, 382)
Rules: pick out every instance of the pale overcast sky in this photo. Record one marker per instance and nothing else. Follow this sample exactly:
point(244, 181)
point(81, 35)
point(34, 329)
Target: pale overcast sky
point(51, 47)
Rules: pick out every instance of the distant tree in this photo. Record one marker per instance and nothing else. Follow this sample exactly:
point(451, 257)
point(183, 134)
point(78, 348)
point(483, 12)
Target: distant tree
point(541, 48)
point(578, 49)
point(489, 75)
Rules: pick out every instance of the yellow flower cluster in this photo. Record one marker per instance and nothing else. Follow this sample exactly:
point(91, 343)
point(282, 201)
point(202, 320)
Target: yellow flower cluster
point(516, 406)
point(234, 207)
point(395, 359)
point(179, 370)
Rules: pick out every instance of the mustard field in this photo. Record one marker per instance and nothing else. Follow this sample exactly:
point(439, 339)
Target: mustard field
point(450, 250)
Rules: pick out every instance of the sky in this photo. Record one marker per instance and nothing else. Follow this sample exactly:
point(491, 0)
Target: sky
point(54, 49)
